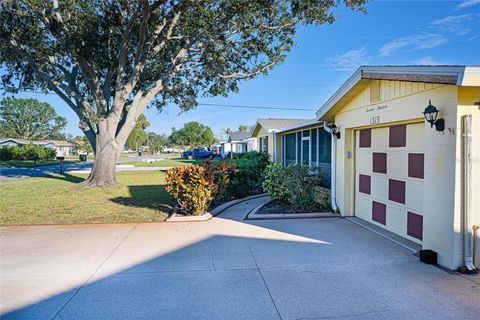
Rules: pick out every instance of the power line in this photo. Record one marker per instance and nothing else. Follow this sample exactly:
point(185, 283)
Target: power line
point(286, 108)
point(256, 107)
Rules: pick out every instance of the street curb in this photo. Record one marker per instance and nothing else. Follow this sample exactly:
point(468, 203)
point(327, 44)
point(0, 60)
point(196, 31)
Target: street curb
point(253, 215)
point(213, 213)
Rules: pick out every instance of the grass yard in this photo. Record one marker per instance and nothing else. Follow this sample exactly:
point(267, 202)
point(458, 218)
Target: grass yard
point(176, 162)
point(31, 163)
point(58, 199)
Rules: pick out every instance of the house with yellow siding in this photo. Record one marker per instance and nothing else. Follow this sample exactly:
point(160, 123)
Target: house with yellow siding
point(264, 136)
point(405, 154)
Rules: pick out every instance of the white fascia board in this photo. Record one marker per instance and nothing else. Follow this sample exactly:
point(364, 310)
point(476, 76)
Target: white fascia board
point(466, 75)
point(300, 125)
point(346, 86)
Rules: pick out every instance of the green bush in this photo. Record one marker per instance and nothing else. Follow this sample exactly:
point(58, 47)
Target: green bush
point(300, 185)
point(296, 185)
point(322, 197)
point(248, 177)
point(6, 153)
point(274, 183)
point(26, 152)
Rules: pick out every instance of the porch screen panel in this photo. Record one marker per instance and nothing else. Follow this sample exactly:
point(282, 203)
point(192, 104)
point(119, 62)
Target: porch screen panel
point(313, 137)
point(324, 157)
point(305, 152)
point(324, 146)
point(299, 146)
point(290, 151)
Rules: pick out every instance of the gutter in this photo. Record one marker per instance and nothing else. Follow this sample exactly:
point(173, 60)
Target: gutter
point(333, 163)
point(468, 237)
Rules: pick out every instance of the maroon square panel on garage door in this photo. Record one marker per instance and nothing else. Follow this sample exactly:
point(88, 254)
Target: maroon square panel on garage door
point(365, 138)
point(415, 225)
point(379, 212)
point(364, 183)
point(396, 191)
point(398, 136)
point(415, 165)
point(379, 162)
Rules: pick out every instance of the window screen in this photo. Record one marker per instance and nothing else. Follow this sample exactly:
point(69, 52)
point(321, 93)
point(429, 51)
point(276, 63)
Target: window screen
point(290, 145)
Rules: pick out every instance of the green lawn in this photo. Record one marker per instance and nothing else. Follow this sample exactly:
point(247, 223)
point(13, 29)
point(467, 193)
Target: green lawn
point(31, 163)
point(58, 199)
point(176, 162)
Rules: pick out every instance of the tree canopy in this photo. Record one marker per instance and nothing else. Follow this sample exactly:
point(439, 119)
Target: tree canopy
point(193, 134)
point(30, 119)
point(109, 60)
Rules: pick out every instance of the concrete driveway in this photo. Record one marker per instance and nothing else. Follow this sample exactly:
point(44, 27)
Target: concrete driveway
point(225, 268)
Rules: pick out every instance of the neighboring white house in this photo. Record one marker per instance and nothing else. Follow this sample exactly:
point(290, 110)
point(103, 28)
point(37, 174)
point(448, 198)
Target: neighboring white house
point(62, 148)
point(237, 142)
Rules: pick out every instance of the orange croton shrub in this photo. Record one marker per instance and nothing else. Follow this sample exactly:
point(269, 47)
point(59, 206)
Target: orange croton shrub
point(194, 187)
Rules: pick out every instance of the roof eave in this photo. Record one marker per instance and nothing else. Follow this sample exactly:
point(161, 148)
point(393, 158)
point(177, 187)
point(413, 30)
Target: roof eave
point(453, 75)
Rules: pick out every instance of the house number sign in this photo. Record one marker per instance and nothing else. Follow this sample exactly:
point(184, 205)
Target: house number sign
point(375, 120)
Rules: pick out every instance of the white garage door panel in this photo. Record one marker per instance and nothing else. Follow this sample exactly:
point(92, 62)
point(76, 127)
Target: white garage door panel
point(394, 205)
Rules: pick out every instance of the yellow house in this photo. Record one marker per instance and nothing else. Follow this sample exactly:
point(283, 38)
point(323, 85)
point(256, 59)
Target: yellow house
point(394, 169)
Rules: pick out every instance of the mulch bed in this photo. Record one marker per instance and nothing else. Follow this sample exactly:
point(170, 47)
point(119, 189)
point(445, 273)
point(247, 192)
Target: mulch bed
point(280, 207)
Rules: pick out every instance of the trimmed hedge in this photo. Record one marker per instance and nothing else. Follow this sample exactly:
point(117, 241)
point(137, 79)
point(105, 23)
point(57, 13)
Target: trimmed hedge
point(248, 178)
point(296, 185)
point(26, 152)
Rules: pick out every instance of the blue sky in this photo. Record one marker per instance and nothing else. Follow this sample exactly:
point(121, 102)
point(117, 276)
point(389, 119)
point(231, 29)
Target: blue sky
point(392, 32)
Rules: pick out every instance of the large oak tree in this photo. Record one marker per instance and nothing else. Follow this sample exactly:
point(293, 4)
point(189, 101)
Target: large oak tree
point(109, 60)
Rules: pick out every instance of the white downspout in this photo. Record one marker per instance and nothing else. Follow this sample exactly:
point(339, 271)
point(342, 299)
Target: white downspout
point(334, 167)
point(467, 190)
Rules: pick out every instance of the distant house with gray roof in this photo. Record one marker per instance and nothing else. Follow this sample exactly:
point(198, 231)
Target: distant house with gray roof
point(237, 142)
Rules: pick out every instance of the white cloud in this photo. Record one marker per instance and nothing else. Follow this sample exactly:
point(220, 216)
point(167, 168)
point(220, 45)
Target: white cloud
point(349, 60)
point(455, 23)
point(467, 3)
point(429, 62)
point(413, 42)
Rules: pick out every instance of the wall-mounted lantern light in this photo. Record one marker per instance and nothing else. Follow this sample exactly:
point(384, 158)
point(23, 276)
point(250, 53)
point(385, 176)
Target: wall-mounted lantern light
point(431, 114)
point(334, 131)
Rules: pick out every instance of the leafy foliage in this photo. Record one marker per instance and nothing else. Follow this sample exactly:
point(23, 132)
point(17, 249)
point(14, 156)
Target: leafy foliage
point(138, 136)
point(296, 185)
point(222, 172)
point(248, 177)
point(274, 183)
point(193, 187)
point(29, 119)
point(26, 152)
point(157, 141)
point(193, 134)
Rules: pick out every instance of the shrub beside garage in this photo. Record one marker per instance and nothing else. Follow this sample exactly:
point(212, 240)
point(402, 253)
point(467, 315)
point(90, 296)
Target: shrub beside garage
point(296, 185)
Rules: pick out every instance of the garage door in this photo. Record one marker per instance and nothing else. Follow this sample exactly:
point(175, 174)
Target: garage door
point(389, 178)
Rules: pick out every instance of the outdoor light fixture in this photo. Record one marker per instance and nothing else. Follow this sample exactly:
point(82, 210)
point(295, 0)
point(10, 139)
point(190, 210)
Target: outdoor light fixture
point(334, 131)
point(431, 114)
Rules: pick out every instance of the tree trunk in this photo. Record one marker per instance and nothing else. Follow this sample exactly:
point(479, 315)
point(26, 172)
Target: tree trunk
point(104, 166)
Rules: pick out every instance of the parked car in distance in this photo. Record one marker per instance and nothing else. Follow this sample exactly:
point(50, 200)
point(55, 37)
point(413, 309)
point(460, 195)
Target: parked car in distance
point(197, 153)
